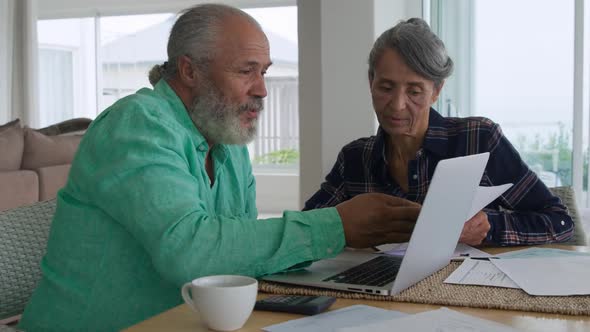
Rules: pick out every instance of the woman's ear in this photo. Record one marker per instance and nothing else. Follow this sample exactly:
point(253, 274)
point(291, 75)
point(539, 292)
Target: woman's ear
point(186, 71)
point(436, 93)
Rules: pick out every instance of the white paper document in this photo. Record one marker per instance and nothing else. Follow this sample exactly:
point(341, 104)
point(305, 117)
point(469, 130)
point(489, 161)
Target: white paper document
point(541, 253)
point(462, 250)
point(484, 196)
point(554, 276)
point(333, 320)
point(480, 272)
point(441, 320)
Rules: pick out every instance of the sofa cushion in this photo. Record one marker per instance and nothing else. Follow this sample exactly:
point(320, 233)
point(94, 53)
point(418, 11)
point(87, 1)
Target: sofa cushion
point(51, 180)
point(13, 123)
point(18, 188)
point(11, 145)
point(42, 151)
point(77, 125)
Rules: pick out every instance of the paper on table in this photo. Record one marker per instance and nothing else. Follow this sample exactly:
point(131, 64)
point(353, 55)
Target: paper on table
point(477, 272)
point(484, 196)
point(461, 251)
point(541, 252)
point(441, 320)
point(553, 276)
point(332, 320)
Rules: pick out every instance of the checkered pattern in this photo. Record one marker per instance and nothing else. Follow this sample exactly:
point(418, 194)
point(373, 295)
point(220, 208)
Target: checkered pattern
point(568, 198)
point(23, 239)
point(525, 214)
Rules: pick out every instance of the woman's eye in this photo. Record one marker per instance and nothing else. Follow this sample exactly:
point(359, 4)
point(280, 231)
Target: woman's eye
point(246, 71)
point(415, 93)
point(385, 88)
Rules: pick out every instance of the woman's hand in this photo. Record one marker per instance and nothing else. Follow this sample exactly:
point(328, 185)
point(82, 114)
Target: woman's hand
point(475, 229)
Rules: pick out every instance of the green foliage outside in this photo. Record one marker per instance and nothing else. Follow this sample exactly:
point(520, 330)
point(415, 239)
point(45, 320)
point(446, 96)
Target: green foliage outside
point(279, 157)
point(542, 151)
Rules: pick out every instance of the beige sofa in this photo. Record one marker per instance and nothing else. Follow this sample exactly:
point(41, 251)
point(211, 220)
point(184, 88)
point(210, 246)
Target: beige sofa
point(34, 163)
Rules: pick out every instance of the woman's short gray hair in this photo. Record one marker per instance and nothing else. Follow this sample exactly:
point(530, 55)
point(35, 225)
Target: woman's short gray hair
point(420, 48)
point(194, 34)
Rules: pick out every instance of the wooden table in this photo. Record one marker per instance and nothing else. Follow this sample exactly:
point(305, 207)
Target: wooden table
point(182, 318)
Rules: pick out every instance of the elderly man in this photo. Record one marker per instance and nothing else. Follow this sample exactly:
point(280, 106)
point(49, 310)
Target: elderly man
point(161, 190)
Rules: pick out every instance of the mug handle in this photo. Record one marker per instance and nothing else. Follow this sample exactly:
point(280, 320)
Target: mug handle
point(186, 296)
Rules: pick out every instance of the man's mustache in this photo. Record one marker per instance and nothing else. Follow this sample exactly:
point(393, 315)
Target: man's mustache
point(255, 104)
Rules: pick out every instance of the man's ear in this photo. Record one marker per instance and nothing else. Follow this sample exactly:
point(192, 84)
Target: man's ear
point(186, 71)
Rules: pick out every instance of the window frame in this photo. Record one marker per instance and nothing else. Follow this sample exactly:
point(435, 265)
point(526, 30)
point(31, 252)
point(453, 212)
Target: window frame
point(268, 199)
point(581, 93)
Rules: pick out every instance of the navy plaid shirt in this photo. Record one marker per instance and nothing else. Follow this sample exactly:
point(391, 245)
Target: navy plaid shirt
point(527, 213)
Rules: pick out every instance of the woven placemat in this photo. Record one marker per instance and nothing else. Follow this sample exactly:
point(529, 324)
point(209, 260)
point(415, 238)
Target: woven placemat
point(432, 290)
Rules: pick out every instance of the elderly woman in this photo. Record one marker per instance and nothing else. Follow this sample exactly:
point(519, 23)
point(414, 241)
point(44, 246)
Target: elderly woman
point(408, 66)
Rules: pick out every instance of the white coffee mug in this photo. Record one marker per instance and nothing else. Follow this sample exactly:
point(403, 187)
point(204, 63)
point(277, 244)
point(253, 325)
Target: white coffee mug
point(224, 301)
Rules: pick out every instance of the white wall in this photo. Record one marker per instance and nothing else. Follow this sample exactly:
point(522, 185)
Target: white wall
point(276, 193)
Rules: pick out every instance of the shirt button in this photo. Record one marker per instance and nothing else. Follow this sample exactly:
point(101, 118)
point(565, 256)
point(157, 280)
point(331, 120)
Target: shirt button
point(562, 223)
point(329, 250)
point(202, 148)
point(415, 176)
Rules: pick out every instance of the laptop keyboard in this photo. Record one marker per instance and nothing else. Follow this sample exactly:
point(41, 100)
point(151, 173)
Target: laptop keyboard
point(376, 272)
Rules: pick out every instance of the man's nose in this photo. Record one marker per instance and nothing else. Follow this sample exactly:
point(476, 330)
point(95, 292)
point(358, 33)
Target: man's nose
point(258, 88)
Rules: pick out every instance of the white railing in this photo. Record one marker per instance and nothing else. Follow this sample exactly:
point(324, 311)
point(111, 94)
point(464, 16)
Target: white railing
point(279, 123)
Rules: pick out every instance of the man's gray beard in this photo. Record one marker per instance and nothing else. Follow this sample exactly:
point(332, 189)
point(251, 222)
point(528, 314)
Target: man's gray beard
point(218, 120)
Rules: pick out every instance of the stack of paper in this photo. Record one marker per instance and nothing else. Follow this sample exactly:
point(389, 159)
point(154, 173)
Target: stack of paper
point(483, 197)
point(480, 272)
point(355, 315)
point(461, 251)
point(441, 320)
point(538, 271)
point(556, 276)
point(361, 318)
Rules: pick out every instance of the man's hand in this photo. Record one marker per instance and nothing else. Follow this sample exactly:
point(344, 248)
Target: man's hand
point(475, 229)
point(373, 219)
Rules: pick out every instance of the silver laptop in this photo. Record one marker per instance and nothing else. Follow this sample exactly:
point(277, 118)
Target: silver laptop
point(445, 209)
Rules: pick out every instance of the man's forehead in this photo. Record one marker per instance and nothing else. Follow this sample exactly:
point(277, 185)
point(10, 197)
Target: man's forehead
point(240, 38)
point(241, 31)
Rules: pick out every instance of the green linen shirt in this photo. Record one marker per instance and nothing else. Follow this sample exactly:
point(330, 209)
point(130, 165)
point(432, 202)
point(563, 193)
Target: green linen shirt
point(138, 217)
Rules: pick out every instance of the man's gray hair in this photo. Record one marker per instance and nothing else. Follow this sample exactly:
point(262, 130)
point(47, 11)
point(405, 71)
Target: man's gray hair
point(418, 46)
point(194, 34)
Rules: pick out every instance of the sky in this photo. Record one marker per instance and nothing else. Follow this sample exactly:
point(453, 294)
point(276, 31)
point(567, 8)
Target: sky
point(280, 20)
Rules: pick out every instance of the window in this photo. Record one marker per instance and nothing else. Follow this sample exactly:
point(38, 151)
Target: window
point(80, 76)
point(516, 68)
point(56, 97)
point(129, 47)
point(67, 78)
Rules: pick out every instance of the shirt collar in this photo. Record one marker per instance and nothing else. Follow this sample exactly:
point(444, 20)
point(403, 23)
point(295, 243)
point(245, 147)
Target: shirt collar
point(435, 141)
point(379, 147)
point(181, 115)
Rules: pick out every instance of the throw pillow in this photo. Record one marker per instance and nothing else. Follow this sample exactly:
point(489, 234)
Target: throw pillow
point(13, 123)
point(41, 150)
point(11, 145)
